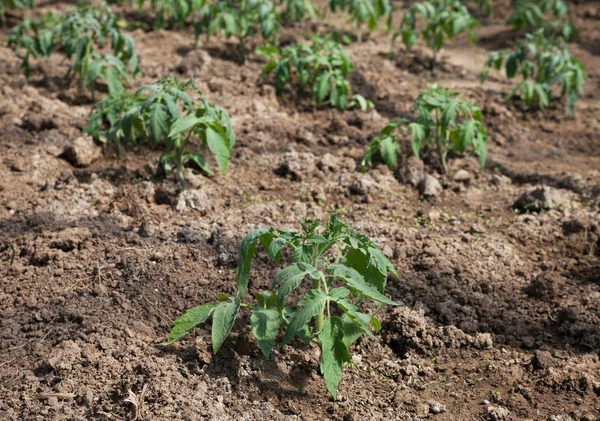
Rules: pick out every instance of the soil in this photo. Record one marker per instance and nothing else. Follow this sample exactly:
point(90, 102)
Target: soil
point(500, 309)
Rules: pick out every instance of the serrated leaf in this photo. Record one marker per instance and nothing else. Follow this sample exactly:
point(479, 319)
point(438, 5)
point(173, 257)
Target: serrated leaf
point(158, 124)
point(311, 305)
point(265, 326)
point(182, 124)
point(288, 280)
point(223, 320)
point(189, 320)
point(275, 249)
point(334, 353)
point(356, 281)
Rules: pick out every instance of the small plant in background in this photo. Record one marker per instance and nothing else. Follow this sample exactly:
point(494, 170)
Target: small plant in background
point(14, 4)
point(78, 33)
point(534, 13)
point(444, 122)
point(542, 63)
point(484, 7)
point(341, 268)
point(323, 66)
point(167, 11)
point(240, 19)
point(164, 114)
point(363, 11)
point(386, 143)
point(442, 20)
point(297, 10)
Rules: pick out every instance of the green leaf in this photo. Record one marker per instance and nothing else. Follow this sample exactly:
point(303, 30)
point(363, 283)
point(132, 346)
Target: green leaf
point(334, 353)
point(467, 133)
point(265, 326)
point(182, 124)
point(389, 151)
point(311, 305)
point(275, 248)
point(223, 320)
point(199, 161)
point(356, 281)
point(289, 279)
point(217, 143)
point(115, 87)
point(247, 253)
point(189, 320)
point(158, 125)
point(351, 330)
point(417, 138)
point(322, 87)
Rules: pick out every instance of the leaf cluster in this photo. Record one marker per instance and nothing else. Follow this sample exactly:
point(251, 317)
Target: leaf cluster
point(444, 122)
point(78, 34)
point(341, 269)
point(441, 20)
point(240, 19)
point(363, 11)
point(297, 10)
point(534, 13)
point(323, 66)
point(163, 113)
point(542, 62)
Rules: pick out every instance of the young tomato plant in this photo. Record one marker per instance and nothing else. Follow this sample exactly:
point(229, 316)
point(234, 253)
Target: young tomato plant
point(444, 122)
point(363, 11)
point(164, 114)
point(324, 66)
point(543, 63)
point(78, 33)
point(442, 20)
point(534, 13)
point(341, 268)
point(240, 19)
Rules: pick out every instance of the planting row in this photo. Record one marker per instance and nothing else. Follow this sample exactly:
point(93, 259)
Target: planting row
point(174, 113)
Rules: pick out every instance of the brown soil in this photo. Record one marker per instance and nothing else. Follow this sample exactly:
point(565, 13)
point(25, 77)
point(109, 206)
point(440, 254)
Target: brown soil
point(500, 314)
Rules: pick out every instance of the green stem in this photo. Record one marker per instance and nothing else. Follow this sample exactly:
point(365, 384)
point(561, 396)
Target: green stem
point(438, 141)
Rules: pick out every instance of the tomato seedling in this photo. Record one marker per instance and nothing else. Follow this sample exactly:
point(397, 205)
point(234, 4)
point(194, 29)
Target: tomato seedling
point(444, 122)
point(543, 63)
point(534, 13)
point(78, 33)
point(322, 66)
point(363, 11)
point(164, 114)
point(341, 270)
point(240, 19)
point(441, 20)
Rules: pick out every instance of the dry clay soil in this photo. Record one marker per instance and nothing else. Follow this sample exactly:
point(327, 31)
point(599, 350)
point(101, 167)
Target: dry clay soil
point(500, 310)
